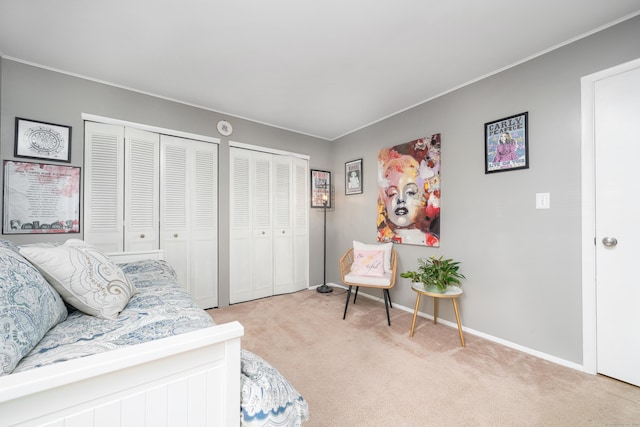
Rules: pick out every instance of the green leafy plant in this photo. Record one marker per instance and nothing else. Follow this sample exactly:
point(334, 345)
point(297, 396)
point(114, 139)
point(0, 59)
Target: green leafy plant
point(436, 272)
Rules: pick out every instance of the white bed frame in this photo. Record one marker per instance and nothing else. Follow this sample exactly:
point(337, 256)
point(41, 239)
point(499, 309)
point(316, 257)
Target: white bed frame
point(191, 379)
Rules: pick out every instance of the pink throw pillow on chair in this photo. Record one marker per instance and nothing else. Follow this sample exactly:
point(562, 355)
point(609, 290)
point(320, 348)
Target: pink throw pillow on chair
point(368, 263)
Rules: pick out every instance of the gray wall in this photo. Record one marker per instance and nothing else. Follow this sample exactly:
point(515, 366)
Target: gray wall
point(1, 63)
point(523, 265)
point(39, 94)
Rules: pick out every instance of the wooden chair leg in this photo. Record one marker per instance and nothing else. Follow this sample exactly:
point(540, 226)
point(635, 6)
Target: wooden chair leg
point(387, 300)
point(347, 304)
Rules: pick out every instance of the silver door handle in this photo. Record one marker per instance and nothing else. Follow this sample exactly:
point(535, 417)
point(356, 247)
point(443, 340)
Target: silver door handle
point(609, 241)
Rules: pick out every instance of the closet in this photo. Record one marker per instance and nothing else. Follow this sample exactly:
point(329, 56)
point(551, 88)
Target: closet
point(146, 190)
point(269, 232)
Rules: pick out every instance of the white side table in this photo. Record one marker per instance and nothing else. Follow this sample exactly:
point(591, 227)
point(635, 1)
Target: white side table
point(452, 293)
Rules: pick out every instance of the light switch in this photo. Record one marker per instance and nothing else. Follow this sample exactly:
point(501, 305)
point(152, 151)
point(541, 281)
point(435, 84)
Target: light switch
point(543, 200)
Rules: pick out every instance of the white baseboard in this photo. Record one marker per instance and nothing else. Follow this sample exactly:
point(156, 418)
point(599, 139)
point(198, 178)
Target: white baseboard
point(470, 331)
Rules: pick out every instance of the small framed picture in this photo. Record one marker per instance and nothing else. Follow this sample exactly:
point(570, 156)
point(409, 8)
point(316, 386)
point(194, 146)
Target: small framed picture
point(506, 144)
point(353, 177)
point(320, 189)
point(41, 140)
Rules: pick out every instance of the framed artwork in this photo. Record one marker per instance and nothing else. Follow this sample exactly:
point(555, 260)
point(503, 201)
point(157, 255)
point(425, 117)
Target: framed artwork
point(409, 192)
point(40, 198)
point(506, 144)
point(353, 177)
point(320, 188)
point(41, 140)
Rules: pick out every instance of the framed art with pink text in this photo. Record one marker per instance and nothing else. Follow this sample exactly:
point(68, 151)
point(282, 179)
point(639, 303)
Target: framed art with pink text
point(40, 198)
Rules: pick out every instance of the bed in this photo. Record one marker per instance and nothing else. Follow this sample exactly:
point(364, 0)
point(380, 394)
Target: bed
point(160, 361)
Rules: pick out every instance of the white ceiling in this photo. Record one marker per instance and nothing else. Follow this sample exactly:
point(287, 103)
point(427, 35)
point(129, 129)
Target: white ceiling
point(323, 68)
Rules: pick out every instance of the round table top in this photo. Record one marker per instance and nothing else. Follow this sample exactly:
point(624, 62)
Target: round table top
point(450, 292)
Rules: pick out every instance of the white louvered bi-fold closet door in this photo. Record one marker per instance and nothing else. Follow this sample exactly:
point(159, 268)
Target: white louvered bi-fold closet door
point(104, 186)
point(290, 229)
point(240, 234)
point(188, 215)
point(282, 225)
point(300, 217)
point(204, 224)
point(251, 235)
point(142, 192)
point(269, 224)
point(262, 221)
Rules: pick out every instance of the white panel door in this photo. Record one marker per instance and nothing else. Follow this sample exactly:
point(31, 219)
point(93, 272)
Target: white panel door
point(617, 126)
point(282, 225)
point(142, 189)
point(104, 186)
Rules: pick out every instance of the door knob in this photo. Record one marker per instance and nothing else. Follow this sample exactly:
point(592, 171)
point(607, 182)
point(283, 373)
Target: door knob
point(142, 236)
point(175, 235)
point(609, 241)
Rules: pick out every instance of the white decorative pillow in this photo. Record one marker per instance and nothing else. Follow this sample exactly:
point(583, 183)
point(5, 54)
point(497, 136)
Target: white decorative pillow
point(386, 247)
point(84, 277)
point(368, 263)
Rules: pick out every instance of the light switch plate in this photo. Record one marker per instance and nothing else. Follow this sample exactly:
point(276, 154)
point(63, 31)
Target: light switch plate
point(543, 201)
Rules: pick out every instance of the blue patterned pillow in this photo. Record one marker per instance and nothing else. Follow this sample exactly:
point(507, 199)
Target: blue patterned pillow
point(9, 245)
point(29, 307)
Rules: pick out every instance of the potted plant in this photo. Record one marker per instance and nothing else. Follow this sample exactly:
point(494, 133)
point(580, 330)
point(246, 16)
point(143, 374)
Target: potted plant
point(435, 274)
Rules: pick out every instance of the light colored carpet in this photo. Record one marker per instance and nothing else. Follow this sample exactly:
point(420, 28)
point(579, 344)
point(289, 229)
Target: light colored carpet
point(361, 372)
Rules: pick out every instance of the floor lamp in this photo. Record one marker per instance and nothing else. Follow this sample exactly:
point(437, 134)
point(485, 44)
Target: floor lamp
point(324, 289)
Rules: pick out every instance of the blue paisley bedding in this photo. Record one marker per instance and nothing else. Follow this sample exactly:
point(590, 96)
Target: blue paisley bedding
point(267, 398)
point(159, 309)
point(162, 308)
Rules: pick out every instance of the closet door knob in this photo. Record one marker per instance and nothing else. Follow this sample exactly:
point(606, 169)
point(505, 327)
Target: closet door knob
point(142, 236)
point(175, 235)
point(283, 231)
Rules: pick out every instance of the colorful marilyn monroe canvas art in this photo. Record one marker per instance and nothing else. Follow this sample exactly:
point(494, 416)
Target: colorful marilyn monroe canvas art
point(409, 192)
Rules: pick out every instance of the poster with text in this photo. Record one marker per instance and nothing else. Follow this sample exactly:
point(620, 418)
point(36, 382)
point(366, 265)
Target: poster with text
point(506, 144)
point(40, 198)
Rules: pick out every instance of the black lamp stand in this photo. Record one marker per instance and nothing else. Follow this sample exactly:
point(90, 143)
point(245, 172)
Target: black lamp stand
point(324, 289)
